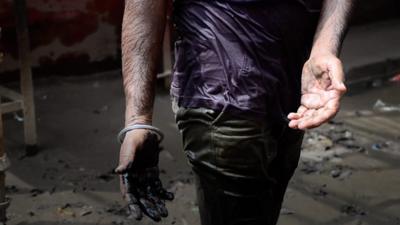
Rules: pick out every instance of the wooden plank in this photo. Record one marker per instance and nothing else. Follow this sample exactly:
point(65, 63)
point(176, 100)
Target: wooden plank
point(2, 173)
point(9, 107)
point(10, 94)
point(3, 210)
point(26, 73)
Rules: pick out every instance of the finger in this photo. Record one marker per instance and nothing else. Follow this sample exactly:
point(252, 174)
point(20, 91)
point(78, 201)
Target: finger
point(308, 113)
point(321, 116)
point(158, 196)
point(298, 114)
point(166, 195)
point(293, 116)
point(301, 112)
point(135, 211)
point(122, 185)
point(150, 209)
point(122, 168)
point(302, 109)
point(294, 124)
point(134, 207)
point(304, 120)
point(125, 162)
point(162, 208)
point(126, 156)
point(160, 205)
point(336, 75)
point(161, 192)
point(312, 123)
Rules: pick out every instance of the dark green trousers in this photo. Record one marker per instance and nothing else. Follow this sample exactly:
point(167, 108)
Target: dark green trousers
point(242, 166)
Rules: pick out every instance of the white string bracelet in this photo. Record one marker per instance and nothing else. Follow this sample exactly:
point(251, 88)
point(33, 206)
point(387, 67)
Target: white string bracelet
point(122, 133)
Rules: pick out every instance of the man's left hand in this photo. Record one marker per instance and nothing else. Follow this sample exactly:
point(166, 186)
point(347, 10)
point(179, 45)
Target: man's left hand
point(322, 87)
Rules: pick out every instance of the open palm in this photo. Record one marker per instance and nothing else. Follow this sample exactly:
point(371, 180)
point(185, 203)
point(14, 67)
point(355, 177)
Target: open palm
point(322, 88)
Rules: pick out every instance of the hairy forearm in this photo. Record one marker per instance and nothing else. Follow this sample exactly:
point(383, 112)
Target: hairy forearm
point(142, 33)
point(332, 26)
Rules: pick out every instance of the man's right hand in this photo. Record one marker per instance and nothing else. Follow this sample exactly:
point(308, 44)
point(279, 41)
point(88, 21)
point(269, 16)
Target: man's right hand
point(139, 175)
point(133, 140)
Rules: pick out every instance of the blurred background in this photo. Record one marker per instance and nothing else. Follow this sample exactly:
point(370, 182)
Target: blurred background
point(62, 105)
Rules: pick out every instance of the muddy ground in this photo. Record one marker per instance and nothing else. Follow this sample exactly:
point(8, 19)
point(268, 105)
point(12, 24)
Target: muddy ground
point(348, 174)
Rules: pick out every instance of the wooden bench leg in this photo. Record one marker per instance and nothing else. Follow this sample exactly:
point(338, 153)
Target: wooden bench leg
point(26, 77)
point(4, 164)
point(29, 114)
point(2, 176)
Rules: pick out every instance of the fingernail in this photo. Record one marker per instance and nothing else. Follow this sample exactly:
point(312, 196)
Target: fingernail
point(119, 170)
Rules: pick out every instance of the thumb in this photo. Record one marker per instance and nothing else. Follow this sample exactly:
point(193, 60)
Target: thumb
point(132, 141)
point(336, 75)
point(126, 157)
point(122, 168)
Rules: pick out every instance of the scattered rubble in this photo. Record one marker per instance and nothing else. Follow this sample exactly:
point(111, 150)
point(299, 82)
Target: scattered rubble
point(352, 210)
point(35, 192)
point(381, 106)
point(341, 173)
point(395, 78)
point(86, 210)
point(106, 177)
point(286, 211)
point(321, 191)
point(329, 143)
point(66, 211)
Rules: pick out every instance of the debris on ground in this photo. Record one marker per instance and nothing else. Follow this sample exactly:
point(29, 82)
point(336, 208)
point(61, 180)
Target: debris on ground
point(395, 78)
point(315, 141)
point(321, 191)
point(329, 143)
point(35, 192)
point(69, 186)
point(380, 146)
point(86, 210)
point(363, 113)
point(106, 177)
point(381, 106)
point(341, 173)
point(311, 166)
point(352, 210)
point(66, 210)
point(286, 211)
point(116, 209)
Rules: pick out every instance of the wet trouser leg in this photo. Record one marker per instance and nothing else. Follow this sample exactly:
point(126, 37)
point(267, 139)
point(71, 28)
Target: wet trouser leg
point(242, 167)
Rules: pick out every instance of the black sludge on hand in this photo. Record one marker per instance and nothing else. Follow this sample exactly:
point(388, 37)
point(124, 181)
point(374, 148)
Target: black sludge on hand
point(145, 193)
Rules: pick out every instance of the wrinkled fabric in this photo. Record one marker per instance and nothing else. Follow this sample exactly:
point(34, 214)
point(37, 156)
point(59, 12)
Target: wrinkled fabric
point(242, 167)
point(246, 58)
point(311, 5)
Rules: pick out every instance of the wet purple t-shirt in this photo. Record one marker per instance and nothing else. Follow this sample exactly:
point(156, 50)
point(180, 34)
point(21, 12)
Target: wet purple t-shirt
point(246, 58)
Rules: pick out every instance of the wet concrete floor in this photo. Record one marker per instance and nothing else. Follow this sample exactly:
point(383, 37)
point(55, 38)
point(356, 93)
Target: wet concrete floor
point(349, 172)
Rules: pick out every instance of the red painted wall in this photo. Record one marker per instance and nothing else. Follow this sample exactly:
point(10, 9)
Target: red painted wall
point(64, 33)
point(83, 36)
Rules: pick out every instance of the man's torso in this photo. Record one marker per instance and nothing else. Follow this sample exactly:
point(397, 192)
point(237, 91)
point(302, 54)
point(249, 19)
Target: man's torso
point(246, 57)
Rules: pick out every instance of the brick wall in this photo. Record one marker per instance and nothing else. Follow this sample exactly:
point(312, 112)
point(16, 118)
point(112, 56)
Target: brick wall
point(82, 36)
point(66, 35)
